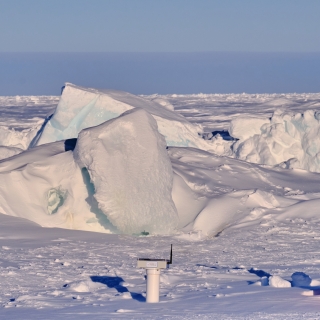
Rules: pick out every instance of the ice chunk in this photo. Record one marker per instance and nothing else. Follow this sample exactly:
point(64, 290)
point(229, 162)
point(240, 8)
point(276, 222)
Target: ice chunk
point(244, 128)
point(81, 108)
point(278, 282)
point(287, 139)
point(129, 166)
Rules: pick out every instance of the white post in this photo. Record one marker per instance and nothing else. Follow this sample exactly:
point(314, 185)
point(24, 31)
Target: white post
point(153, 267)
point(153, 285)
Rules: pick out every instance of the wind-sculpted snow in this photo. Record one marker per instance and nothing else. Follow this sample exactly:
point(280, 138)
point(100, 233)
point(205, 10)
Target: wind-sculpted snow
point(213, 193)
point(288, 139)
point(131, 172)
point(81, 108)
point(50, 192)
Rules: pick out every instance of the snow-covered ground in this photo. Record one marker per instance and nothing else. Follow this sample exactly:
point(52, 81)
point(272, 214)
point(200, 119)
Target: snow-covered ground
point(244, 228)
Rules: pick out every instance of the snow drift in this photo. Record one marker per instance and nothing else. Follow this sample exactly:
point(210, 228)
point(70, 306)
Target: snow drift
point(213, 193)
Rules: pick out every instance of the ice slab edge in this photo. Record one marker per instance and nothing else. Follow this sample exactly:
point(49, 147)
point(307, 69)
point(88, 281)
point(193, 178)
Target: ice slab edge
point(81, 108)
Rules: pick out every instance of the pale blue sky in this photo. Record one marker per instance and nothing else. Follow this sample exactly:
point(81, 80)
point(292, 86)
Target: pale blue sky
point(180, 46)
point(159, 25)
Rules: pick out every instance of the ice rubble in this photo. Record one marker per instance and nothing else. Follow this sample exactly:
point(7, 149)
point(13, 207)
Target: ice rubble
point(290, 140)
point(109, 191)
point(80, 108)
point(131, 172)
point(128, 165)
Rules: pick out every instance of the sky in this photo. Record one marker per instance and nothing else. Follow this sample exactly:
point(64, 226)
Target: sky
point(160, 46)
point(159, 25)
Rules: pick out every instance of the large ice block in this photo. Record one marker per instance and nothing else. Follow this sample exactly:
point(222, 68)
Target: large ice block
point(81, 108)
point(131, 171)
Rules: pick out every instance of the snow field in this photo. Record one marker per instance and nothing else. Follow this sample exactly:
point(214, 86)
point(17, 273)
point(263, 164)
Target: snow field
point(56, 273)
point(247, 240)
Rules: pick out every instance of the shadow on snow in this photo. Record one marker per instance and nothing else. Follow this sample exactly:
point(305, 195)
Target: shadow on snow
point(115, 282)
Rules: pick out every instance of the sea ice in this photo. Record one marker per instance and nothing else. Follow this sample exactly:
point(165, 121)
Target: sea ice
point(81, 108)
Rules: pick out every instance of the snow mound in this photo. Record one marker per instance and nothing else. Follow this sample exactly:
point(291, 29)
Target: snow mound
point(131, 172)
point(278, 282)
point(49, 191)
point(213, 193)
point(290, 140)
point(81, 108)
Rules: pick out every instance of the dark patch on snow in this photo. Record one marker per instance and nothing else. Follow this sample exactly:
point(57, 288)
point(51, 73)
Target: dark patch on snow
point(259, 273)
point(206, 266)
point(224, 135)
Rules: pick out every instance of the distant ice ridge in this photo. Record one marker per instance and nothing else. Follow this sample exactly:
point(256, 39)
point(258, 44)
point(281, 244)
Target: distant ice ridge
point(131, 171)
point(81, 108)
point(288, 139)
